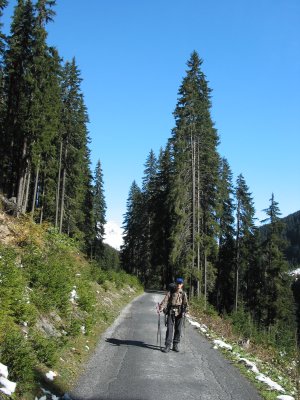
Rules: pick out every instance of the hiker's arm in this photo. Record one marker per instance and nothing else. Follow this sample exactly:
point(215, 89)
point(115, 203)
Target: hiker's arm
point(164, 303)
point(185, 304)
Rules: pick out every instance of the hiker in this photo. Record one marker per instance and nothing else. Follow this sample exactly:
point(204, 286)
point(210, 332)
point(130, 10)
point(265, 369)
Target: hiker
point(174, 305)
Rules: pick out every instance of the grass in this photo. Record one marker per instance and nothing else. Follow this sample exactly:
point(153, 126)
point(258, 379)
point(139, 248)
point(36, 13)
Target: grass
point(280, 366)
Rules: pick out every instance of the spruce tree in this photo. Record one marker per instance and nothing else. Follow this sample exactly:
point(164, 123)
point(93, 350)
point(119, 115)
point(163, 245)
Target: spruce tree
point(245, 238)
point(162, 220)
point(3, 4)
point(99, 210)
point(194, 147)
point(277, 301)
point(224, 292)
point(19, 89)
point(74, 172)
point(147, 216)
point(131, 257)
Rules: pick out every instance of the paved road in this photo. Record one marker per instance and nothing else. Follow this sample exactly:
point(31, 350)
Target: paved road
point(127, 364)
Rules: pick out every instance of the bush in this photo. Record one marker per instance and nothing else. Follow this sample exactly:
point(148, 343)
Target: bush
point(14, 294)
point(74, 328)
point(16, 353)
point(50, 279)
point(45, 348)
point(86, 296)
point(243, 324)
point(199, 305)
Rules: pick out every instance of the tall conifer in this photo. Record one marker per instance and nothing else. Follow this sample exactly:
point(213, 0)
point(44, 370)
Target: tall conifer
point(99, 208)
point(194, 145)
point(277, 299)
point(245, 229)
point(224, 296)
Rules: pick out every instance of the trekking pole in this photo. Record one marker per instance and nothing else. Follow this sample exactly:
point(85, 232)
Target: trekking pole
point(158, 327)
point(184, 319)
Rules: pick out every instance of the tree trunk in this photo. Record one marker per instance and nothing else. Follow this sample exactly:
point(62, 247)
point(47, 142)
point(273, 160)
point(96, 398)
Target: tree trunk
point(63, 191)
point(193, 208)
point(237, 258)
point(198, 222)
point(58, 185)
point(205, 279)
point(35, 188)
point(21, 185)
point(25, 200)
point(43, 197)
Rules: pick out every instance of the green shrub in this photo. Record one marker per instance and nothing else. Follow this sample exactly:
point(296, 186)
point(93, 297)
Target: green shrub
point(199, 304)
point(14, 295)
point(74, 328)
point(50, 277)
point(46, 349)
point(86, 296)
point(242, 323)
point(16, 353)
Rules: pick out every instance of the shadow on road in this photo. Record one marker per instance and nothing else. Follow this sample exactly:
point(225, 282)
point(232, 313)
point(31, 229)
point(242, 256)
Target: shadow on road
point(137, 343)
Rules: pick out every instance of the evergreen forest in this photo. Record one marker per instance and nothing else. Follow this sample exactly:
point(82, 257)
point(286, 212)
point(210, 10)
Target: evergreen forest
point(190, 219)
point(44, 154)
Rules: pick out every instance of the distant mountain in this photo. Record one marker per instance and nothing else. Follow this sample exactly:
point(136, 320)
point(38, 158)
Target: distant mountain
point(291, 234)
point(113, 235)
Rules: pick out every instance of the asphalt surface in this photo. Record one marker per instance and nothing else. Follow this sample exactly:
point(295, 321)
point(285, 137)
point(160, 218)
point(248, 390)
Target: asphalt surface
point(128, 364)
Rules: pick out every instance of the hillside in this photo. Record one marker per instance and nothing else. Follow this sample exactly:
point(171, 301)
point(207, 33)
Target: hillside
point(53, 306)
point(291, 234)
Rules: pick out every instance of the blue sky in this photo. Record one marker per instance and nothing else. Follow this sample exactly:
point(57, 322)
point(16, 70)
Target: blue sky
point(132, 55)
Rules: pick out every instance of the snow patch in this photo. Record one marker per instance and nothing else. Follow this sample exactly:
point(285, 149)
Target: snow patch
point(8, 386)
point(223, 345)
point(285, 397)
point(3, 370)
point(74, 296)
point(250, 364)
point(51, 375)
point(194, 323)
point(268, 381)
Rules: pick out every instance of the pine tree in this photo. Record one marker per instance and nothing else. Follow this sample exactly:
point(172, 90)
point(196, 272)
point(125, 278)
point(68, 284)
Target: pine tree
point(32, 112)
point(46, 108)
point(131, 257)
point(99, 209)
point(224, 296)
point(245, 235)
point(3, 4)
point(194, 141)
point(162, 220)
point(74, 177)
point(147, 216)
point(19, 89)
point(277, 301)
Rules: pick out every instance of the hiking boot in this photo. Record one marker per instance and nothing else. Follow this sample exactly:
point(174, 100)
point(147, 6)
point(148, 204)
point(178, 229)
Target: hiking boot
point(166, 349)
point(176, 347)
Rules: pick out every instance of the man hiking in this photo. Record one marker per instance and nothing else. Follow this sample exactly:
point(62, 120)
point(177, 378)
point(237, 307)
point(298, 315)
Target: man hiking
point(174, 305)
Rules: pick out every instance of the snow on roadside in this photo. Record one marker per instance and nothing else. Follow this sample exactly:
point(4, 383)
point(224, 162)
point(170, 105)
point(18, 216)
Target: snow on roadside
point(218, 343)
point(273, 385)
point(3, 370)
point(223, 345)
point(249, 364)
point(51, 375)
point(8, 387)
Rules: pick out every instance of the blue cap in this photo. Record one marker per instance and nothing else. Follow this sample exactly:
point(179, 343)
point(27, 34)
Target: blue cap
point(179, 280)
